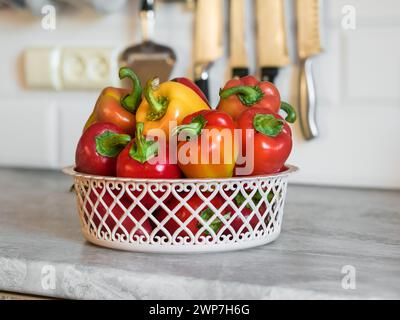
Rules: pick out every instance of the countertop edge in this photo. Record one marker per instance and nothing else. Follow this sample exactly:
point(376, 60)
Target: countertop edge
point(88, 283)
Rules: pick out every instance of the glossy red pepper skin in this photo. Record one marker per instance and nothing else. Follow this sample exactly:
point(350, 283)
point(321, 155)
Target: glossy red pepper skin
point(131, 168)
point(183, 214)
point(214, 118)
point(271, 152)
point(237, 223)
point(141, 168)
point(265, 95)
point(118, 213)
point(89, 158)
point(189, 83)
point(210, 126)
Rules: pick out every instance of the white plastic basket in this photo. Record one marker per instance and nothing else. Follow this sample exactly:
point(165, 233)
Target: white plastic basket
point(125, 214)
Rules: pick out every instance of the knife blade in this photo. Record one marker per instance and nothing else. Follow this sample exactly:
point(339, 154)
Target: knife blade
point(237, 40)
point(308, 45)
point(271, 38)
point(208, 40)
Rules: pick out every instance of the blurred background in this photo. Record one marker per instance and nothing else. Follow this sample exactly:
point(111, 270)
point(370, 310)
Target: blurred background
point(56, 56)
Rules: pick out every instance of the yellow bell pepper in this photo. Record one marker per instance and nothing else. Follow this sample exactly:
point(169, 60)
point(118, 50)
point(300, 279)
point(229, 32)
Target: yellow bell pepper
point(169, 101)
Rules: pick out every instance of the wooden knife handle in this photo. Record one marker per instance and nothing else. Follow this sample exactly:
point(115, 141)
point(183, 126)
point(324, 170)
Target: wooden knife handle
point(237, 36)
point(208, 31)
point(271, 33)
point(307, 100)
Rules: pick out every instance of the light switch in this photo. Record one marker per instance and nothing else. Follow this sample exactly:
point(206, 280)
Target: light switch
point(41, 68)
point(71, 68)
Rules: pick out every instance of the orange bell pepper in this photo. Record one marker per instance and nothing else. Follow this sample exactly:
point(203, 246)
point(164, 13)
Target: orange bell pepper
point(210, 150)
point(118, 105)
point(169, 101)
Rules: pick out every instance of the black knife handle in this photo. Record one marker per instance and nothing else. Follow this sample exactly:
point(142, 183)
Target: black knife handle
point(147, 5)
point(203, 85)
point(240, 72)
point(269, 74)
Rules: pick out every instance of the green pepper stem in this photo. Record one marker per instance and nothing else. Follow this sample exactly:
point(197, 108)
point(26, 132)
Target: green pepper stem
point(157, 106)
point(248, 95)
point(131, 101)
point(268, 125)
point(193, 129)
point(291, 115)
point(240, 199)
point(142, 149)
point(216, 225)
point(110, 144)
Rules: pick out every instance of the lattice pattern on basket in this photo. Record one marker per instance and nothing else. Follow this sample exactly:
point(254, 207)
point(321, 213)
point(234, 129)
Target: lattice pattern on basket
point(125, 211)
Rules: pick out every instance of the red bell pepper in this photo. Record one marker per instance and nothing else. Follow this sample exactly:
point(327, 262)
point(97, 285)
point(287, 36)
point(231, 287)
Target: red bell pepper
point(247, 211)
point(133, 162)
point(211, 145)
point(237, 223)
point(118, 212)
point(271, 137)
point(183, 215)
point(240, 94)
point(189, 83)
point(98, 149)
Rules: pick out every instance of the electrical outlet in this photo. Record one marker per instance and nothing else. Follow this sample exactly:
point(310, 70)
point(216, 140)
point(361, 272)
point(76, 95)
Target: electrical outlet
point(71, 68)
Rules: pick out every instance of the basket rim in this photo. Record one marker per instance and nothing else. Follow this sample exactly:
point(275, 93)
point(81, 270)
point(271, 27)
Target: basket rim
point(70, 170)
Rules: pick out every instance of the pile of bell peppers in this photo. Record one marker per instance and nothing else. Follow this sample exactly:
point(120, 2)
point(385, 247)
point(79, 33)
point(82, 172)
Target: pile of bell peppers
point(117, 140)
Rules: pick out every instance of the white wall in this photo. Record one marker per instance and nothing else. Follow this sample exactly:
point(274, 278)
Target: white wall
point(357, 79)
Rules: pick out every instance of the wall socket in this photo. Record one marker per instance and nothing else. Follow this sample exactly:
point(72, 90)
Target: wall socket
point(71, 68)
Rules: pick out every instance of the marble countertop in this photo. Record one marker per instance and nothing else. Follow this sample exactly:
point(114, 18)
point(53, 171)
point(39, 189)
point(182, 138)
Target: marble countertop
point(335, 243)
